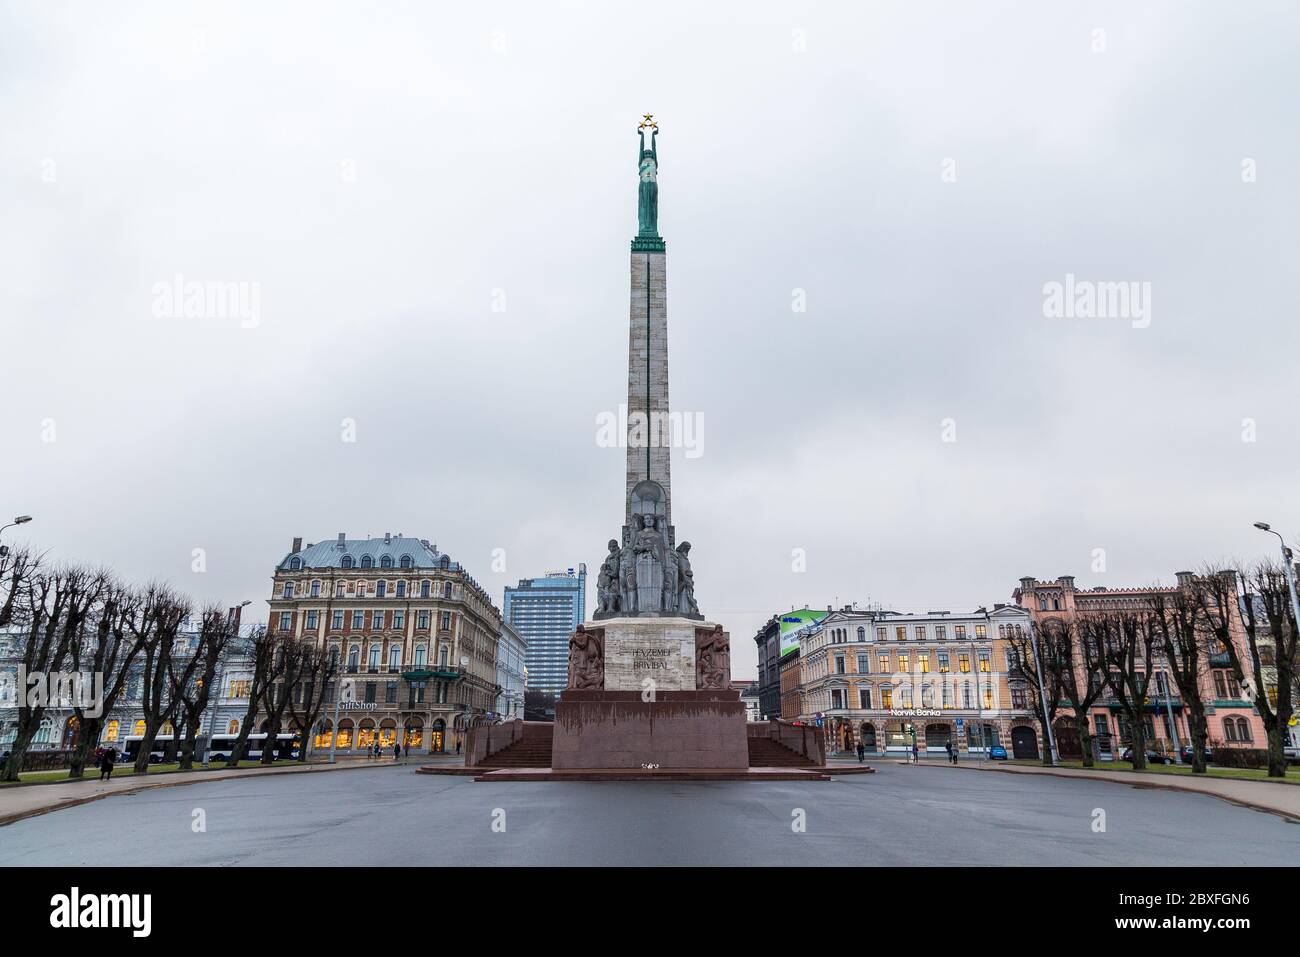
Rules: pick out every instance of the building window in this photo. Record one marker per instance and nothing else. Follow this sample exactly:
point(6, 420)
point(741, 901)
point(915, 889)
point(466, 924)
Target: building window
point(947, 695)
point(446, 590)
point(367, 561)
point(287, 591)
point(139, 728)
point(446, 621)
point(923, 662)
point(919, 632)
point(381, 589)
point(941, 632)
point(399, 619)
point(315, 589)
point(373, 662)
point(442, 656)
point(340, 589)
point(959, 632)
point(963, 663)
point(361, 589)
point(390, 692)
point(864, 664)
point(886, 697)
point(881, 633)
point(967, 696)
point(354, 658)
point(864, 698)
point(286, 620)
point(884, 664)
point(862, 633)
point(981, 632)
point(904, 664)
point(424, 589)
point(900, 632)
point(336, 621)
point(839, 664)
point(837, 698)
point(346, 562)
point(406, 561)
point(1018, 698)
point(110, 732)
point(370, 692)
point(311, 620)
point(386, 561)
point(422, 621)
point(377, 619)
point(943, 662)
point(419, 656)
point(358, 620)
point(984, 662)
point(401, 589)
point(394, 657)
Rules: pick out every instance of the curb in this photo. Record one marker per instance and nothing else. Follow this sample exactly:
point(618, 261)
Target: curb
point(1149, 786)
point(13, 818)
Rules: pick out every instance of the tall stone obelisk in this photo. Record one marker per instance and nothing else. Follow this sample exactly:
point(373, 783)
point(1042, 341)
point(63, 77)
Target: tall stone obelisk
point(648, 435)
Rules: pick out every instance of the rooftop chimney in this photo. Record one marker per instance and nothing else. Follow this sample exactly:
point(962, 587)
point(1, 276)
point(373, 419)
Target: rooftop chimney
point(388, 538)
point(297, 545)
point(341, 534)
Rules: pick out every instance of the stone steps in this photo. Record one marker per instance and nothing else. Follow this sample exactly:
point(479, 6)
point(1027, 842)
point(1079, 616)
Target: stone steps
point(766, 753)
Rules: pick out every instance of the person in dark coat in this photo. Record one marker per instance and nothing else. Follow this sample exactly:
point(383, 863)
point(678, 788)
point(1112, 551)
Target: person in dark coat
point(106, 765)
point(862, 752)
point(397, 751)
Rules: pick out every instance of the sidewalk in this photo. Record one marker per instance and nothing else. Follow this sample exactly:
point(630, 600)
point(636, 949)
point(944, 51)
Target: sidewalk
point(28, 800)
point(1272, 797)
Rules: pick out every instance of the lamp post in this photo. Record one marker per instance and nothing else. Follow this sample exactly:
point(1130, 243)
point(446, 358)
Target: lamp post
point(19, 520)
point(1287, 567)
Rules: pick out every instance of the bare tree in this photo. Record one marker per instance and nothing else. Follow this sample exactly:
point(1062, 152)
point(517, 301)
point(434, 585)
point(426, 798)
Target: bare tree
point(216, 630)
point(1264, 603)
point(1127, 639)
point(1075, 660)
point(18, 566)
point(111, 652)
point(277, 693)
point(1178, 620)
point(54, 611)
point(1025, 669)
point(313, 672)
point(161, 615)
point(268, 666)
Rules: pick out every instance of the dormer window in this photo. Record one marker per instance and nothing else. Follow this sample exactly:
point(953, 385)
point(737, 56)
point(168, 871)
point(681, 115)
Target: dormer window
point(406, 561)
point(367, 561)
point(295, 564)
point(386, 561)
point(346, 562)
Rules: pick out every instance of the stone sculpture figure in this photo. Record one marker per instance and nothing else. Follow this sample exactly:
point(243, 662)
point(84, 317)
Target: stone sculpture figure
point(712, 659)
point(649, 547)
point(668, 601)
point(607, 582)
point(685, 581)
point(627, 580)
point(586, 659)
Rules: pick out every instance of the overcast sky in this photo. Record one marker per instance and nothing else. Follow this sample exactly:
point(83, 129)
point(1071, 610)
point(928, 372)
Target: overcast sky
point(388, 177)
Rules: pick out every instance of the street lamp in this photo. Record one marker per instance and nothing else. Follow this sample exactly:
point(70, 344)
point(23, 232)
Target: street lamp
point(1287, 566)
point(19, 520)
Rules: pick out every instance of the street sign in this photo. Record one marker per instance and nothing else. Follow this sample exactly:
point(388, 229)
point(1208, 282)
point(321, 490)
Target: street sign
point(960, 722)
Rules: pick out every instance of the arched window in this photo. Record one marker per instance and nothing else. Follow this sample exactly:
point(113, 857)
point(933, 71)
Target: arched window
point(367, 561)
point(233, 727)
point(386, 561)
point(406, 561)
point(374, 657)
point(139, 727)
point(167, 728)
point(442, 655)
point(110, 733)
point(295, 564)
point(1243, 730)
point(419, 656)
point(354, 658)
point(862, 633)
point(346, 562)
point(394, 657)
point(446, 590)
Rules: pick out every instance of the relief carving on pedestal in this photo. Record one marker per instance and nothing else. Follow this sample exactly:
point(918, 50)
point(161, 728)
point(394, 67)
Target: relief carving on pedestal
point(712, 659)
point(587, 659)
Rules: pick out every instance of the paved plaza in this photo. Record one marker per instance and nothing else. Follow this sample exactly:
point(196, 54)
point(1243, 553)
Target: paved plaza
point(899, 816)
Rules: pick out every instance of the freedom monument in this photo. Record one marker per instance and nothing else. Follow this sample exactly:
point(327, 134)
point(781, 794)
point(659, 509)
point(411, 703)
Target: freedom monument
point(649, 678)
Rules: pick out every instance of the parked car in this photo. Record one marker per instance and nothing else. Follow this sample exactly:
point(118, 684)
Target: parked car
point(1187, 755)
point(998, 753)
point(1153, 757)
point(1292, 755)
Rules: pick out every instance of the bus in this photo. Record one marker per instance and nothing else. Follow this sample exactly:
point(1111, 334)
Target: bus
point(286, 747)
point(131, 747)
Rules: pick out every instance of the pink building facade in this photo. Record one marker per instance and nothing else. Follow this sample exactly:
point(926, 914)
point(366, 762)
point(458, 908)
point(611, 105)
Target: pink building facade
point(1231, 717)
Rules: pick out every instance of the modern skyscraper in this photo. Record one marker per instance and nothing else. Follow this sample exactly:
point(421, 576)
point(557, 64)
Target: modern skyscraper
point(546, 611)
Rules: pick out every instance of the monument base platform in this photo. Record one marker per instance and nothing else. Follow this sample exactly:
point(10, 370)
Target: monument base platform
point(637, 774)
point(605, 730)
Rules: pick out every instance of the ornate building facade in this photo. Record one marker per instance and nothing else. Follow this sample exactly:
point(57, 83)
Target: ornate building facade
point(1233, 721)
point(888, 680)
point(414, 635)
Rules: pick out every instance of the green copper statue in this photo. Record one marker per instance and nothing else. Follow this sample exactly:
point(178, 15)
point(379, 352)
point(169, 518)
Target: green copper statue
point(647, 210)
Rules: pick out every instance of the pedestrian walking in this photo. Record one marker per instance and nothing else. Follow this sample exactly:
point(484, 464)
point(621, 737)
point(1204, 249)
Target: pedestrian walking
point(397, 751)
point(106, 765)
point(862, 751)
point(916, 754)
point(458, 745)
